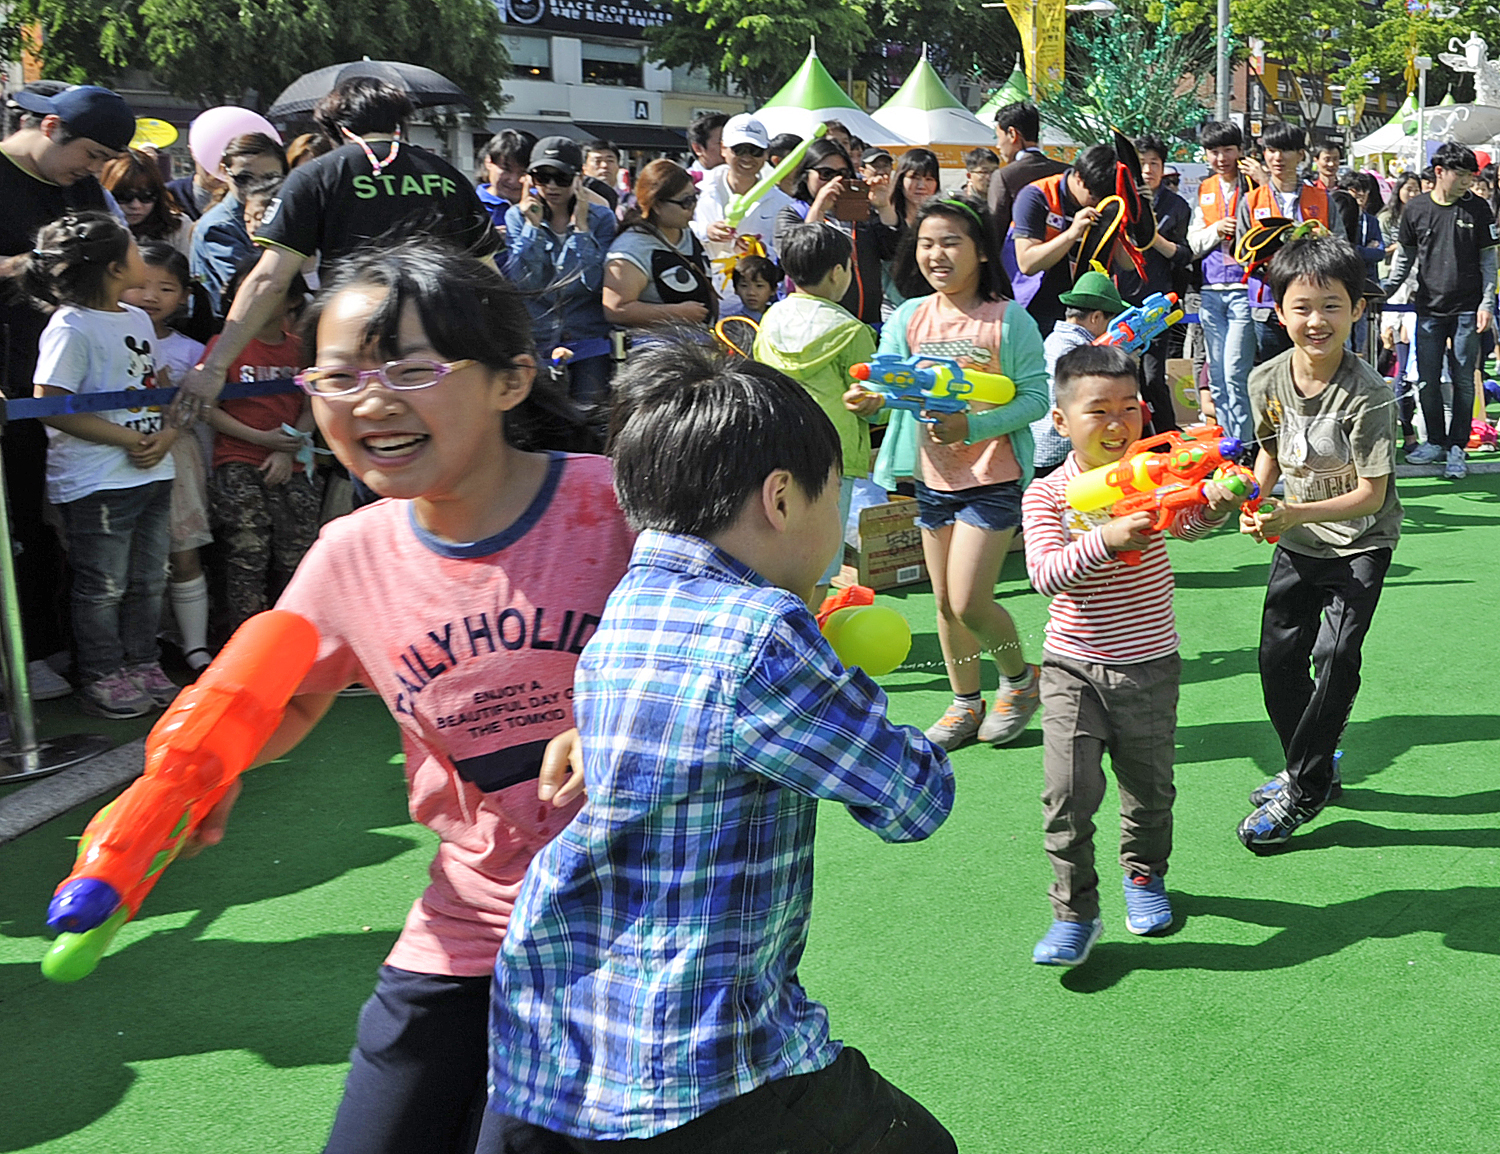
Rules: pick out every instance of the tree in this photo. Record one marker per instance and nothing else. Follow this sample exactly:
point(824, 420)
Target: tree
point(218, 51)
point(1134, 75)
point(756, 45)
point(962, 37)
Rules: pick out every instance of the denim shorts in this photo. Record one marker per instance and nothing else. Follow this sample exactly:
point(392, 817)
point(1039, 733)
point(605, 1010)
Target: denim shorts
point(992, 507)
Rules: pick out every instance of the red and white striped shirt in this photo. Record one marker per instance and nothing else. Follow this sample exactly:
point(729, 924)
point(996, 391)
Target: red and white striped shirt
point(1103, 610)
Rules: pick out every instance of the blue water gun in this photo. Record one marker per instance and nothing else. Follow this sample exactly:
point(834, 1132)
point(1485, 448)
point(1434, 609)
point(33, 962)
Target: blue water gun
point(1135, 328)
point(936, 384)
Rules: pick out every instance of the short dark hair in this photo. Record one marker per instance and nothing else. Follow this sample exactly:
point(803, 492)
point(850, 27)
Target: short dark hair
point(1323, 261)
point(981, 158)
point(601, 146)
point(1156, 144)
point(362, 104)
point(695, 432)
point(468, 310)
point(1023, 117)
point(1284, 137)
point(1090, 361)
point(1095, 166)
point(252, 144)
point(1332, 146)
point(1453, 155)
point(782, 144)
point(809, 252)
point(702, 128)
point(510, 148)
point(756, 268)
point(1221, 134)
point(1428, 174)
point(297, 290)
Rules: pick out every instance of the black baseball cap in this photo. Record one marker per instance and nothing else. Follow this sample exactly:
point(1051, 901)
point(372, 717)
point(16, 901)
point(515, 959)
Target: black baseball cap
point(871, 155)
point(87, 110)
point(560, 152)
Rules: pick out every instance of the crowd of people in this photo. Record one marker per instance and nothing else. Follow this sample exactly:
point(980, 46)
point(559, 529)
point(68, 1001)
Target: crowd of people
point(540, 618)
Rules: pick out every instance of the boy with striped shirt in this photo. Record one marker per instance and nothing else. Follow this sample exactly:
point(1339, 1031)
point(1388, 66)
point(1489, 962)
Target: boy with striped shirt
point(1111, 669)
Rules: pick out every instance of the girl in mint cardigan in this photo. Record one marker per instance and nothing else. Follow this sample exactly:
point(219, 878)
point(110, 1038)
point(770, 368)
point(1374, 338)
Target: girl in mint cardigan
point(969, 467)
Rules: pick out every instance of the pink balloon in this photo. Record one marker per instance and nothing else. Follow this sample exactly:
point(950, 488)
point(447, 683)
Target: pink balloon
point(212, 131)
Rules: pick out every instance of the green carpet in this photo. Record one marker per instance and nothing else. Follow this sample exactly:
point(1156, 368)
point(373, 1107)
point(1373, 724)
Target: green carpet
point(1337, 997)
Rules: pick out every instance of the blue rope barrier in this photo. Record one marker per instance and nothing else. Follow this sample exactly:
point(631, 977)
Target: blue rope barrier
point(30, 408)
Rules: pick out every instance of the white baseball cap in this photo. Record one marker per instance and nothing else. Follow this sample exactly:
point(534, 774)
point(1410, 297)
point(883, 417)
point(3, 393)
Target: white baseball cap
point(745, 129)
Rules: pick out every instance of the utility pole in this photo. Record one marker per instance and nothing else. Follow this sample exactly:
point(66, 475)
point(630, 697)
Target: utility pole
point(1222, 81)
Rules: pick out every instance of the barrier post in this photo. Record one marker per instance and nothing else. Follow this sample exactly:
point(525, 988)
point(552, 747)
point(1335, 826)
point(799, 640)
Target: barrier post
point(24, 757)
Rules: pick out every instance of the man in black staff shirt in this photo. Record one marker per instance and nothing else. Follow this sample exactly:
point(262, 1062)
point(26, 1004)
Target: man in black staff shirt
point(376, 184)
point(50, 166)
point(1451, 234)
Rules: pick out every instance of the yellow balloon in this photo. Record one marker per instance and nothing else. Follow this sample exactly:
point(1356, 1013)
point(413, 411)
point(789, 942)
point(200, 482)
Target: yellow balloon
point(873, 637)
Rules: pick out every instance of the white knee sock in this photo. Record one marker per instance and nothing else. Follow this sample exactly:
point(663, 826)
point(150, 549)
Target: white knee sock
point(190, 606)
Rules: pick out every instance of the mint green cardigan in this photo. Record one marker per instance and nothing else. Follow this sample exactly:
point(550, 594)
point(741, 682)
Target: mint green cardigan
point(1021, 359)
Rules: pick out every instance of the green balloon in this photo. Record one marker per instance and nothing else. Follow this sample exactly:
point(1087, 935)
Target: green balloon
point(873, 637)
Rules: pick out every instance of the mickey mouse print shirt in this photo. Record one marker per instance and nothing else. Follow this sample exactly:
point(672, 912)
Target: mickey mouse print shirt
point(99, 351)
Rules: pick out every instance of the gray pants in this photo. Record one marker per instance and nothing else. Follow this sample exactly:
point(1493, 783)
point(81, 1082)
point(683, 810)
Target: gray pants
point(1130, 710)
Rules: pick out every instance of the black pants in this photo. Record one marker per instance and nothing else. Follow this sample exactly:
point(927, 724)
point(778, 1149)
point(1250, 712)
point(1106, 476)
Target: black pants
point(1154, 390)
point(845, 1108)
point(41, 584)
point(417, 1082)
point(1317, 610)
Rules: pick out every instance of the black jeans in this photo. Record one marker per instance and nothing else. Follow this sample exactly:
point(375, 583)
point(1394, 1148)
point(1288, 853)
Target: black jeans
point(1317, 610)
point(845, 1108)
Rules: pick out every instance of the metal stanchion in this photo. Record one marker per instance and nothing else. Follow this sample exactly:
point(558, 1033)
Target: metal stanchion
point(24, 756)
point(1374, 306)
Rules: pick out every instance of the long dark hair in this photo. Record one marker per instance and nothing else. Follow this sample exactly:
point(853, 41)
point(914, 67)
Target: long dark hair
point(817, 152)
point(468, 311)
point(70, 259)
point(974, 218)
point(915, 162)
point(135, 172)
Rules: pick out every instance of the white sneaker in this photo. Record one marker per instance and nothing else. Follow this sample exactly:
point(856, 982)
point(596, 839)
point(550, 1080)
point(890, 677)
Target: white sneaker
point(1456, 469)
point(46, 685)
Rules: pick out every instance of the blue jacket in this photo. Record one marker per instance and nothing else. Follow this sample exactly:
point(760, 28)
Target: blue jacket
point(563, 276)
point(220, 242)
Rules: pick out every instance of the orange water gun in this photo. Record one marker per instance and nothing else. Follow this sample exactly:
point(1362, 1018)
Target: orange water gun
point(194, 755)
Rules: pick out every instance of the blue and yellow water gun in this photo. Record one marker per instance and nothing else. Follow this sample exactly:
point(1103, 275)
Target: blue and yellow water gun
point(1135, 328)
point(934, 384)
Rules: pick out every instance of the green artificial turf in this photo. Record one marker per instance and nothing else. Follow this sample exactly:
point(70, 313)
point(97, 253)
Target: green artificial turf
point(1336, 997)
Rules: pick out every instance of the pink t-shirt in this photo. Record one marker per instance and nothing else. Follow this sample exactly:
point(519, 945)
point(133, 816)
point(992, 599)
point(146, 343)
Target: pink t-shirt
point(972, 339)
point(472, 647)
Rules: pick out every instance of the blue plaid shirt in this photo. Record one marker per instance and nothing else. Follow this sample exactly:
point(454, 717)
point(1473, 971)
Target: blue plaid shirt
point(649, 972)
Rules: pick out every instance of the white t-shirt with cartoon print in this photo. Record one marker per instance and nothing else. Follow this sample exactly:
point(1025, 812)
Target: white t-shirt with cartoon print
point(98, 351)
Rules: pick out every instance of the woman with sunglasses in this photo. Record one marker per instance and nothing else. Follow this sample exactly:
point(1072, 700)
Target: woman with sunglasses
point(135, 181)
point(825, 175)
point(221, 240)
point(558, 233)
point(656, 272)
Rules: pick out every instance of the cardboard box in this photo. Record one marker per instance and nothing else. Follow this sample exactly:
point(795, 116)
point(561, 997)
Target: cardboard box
point(1183, 383)
point(890, 547)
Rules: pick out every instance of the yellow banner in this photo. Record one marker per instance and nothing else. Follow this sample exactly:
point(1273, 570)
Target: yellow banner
point(1043, 26)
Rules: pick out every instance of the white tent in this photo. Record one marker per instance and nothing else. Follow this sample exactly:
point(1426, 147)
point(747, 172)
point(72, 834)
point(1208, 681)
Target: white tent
point(811, 97)
point(925, 112)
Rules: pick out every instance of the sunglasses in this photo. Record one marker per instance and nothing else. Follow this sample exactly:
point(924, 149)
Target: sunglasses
point(135, 197)
point(748, 150)
point(687, 202)
point(551, 176)
point(832, 173)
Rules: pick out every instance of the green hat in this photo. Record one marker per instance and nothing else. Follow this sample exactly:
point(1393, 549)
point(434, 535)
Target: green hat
point(1092, 291)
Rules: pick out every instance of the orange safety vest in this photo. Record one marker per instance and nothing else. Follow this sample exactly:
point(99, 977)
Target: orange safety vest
point(1312, 202)
point(1212, 203)
point(1057, 217)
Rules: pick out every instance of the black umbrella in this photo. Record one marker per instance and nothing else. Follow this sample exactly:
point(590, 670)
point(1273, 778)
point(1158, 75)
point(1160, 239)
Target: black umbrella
point(426, 88)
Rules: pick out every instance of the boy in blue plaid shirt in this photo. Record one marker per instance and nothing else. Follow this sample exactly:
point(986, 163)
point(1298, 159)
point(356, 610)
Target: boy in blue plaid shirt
point(648, 985)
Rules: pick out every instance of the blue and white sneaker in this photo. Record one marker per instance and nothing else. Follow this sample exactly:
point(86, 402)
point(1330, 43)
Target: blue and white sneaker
point(1147, 910)
point(1273, 788)
point(1426, 454)
point(1067, 943)
point(1267, 829)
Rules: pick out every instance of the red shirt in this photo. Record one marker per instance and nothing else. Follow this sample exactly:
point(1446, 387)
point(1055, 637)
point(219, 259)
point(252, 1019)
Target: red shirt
point(260, 362)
